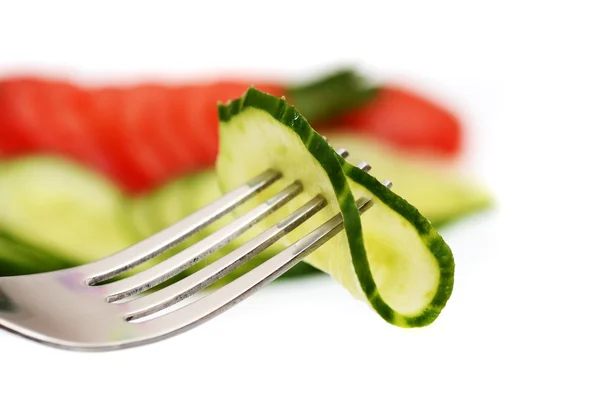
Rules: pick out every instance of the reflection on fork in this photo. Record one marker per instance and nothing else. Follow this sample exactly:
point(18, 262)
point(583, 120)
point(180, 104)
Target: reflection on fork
point(76, 309)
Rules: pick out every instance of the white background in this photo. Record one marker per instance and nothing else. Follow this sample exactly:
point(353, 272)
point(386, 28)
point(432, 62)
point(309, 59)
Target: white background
point(523, 318)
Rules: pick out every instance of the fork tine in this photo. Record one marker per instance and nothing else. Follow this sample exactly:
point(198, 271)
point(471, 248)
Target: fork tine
point(343, 152)
point(173, 294)
point(365, 166)
point(115, 264)
point(154, 302)
point(231, 294)
point(192, 255)
point(186, 258)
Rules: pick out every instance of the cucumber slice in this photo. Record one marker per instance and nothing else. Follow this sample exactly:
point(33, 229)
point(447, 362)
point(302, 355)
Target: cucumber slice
point(62, 209)
point(17, 258)
point(393, 258)
point(143, 216)
point(441, 195)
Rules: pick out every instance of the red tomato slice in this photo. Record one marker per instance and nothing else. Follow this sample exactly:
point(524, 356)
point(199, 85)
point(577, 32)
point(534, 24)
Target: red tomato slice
point(182, 113)
point(407, 121)
point(107, 114)
point(69, 122)
point(190, 113)
point(180, 157)
point(23, 117)
point(145, 128)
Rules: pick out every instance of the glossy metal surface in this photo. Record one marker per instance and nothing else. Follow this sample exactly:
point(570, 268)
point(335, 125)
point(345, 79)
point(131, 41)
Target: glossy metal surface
point(67, 309)
point(192, 255)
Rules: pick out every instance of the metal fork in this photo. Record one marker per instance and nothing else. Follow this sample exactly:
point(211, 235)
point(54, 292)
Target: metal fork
point(72, 309)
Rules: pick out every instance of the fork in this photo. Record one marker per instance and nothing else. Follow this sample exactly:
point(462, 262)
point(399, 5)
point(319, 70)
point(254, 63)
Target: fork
point(75, 309)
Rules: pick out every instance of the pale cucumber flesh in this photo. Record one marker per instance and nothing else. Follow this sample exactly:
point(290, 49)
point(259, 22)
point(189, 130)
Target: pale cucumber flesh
point(56, 206)
point(405, 270)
